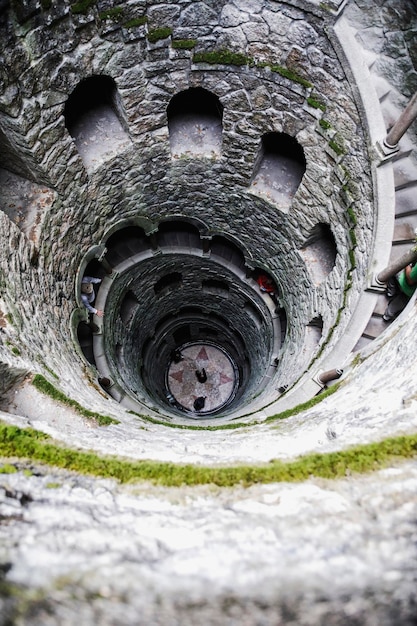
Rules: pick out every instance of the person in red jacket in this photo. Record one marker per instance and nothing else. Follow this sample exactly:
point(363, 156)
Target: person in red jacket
point(267, 285)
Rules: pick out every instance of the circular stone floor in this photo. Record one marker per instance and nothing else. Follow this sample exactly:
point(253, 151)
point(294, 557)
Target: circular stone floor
point(214, 366)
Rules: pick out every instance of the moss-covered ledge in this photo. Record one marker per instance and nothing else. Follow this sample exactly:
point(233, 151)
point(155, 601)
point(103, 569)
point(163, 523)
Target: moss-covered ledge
point(44, 386)
point(33, 445)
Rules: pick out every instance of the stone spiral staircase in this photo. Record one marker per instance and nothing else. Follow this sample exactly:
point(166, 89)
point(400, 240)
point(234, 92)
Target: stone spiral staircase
point(403, 164)
point(402, 168)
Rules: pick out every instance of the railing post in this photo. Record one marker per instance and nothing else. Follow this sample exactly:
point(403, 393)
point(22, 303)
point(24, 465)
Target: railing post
point(389, 145)
point(398, 265)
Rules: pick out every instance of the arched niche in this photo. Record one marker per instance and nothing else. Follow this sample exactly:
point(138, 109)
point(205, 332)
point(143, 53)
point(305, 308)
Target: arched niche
point(125, 243)
point(94, 268)
point(168, 282)
point(319, 252)
point(215, 287)
point(312, 337)
point(174, 232)
point(94, 118)
point(128, 307)
point(195, 123)
point(227, 250)
point(24, 202)
point(85, 339)
point(280, 168)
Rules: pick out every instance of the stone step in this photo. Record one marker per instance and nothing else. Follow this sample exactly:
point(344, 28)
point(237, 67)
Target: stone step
point(362, 343)
point(404, 228)
point(405, 201)
point(381, 305)
point(404, 172)
point(375, 327)
point(405, 182)
point(398, 249)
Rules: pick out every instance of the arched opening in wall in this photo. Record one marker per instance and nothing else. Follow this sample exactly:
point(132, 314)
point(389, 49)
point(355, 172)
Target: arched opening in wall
point(21, 199)
point(10, 158)
point(280, 168)
point(128, 307)
point(125, 243)
point(313, 335)
point(227, 251)
point(95, 269)
point(215, 287)
point(169, 282)
point(85, 339)
point(178, 233)
point(319, 252)
point(94, 118)
point(24, 202)
point(181, 335)
point(195, 123)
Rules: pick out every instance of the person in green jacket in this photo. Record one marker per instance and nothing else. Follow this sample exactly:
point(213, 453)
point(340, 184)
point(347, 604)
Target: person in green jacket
point(400, 288)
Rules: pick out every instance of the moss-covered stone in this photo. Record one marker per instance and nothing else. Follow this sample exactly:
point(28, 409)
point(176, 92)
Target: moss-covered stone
point(82, 6)
point(115, 14)
point(47, 388)
point(158, 34)
point(221, 57)
point(30, 444)
point(184, 44)
point(135, 22)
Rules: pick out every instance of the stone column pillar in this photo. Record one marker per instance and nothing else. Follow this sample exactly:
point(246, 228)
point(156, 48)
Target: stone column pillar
point(206, 241)
point(153, 240)
point(104, 262)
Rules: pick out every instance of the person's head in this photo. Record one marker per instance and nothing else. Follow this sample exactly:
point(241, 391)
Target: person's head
point(86, 288)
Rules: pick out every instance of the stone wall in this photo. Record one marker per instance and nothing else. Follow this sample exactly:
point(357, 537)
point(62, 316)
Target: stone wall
point(54, 49)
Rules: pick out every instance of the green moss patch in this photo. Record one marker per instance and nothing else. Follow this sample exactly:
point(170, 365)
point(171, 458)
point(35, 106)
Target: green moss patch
point(184, 44)
point(314, 102)
point(7, 469)
point(352, 237)
point(115, 14)
point(47, 388)
point(82, 6)
point(352, 216)
point(227, 57)
point(325, 124)
point(221, 57)
point(352, 259)
point(153, 420)
point(336, 147)
point(304, 405)
point(135, 22)
point(29, 444)
point(159, 33)
point(286, 73)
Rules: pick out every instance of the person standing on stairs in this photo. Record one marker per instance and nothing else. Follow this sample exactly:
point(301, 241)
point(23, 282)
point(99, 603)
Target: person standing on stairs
point(88, 295)
point(400, 288)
